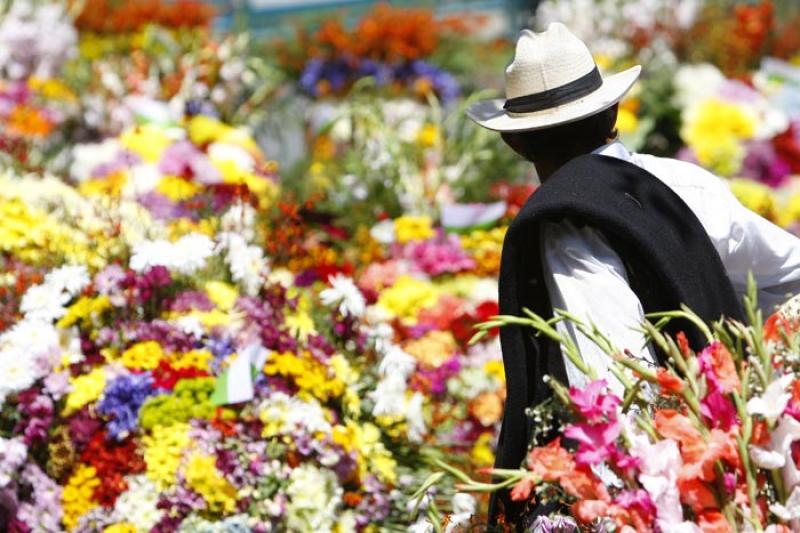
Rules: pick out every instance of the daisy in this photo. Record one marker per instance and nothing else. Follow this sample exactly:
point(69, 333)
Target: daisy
point(42, 302)
point(344, 292)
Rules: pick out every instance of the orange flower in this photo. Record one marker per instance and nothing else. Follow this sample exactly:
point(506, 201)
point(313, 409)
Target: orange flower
point(713, 522)
point(522, 490)
point(587, 511)
point(669, 382)
point(696, 494)
point(550, 462)
point(673, 425)
point(487, 408)
point(724, 368)
point(26, 121)
point(700, 456)
point(582, 484)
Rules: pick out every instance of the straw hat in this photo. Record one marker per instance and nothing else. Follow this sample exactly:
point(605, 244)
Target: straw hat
point(553, 80)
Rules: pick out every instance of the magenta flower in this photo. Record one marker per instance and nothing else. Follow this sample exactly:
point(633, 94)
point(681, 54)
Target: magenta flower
point(719, 410)
point(592, 404)
point(639, 500)
point(440, 255)
point(596, 442)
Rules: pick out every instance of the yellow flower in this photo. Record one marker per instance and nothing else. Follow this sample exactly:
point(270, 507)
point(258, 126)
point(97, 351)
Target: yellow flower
point(110, 185)
point(300, 324)
point(429, 136)
point(182, 226)
point(84, 310)
point(372, 455)
point(495, 369)
point(148, 141)
point(143, 356)
point(323, 149)
point(199, 359)
point(756, 197)
point(627, 121)
point(123, 527)
point(223, 295)
point(77, 497)
point(85, 389)
point(411, 228)
point(715, 131)
point(790, 213)
point(203, 477)
point(51, 88)
point(407, 297)
point(482, 454)
point(212, 319)
point(177, 189)
point(163, 451)
point(203, 129)
point(312, 377)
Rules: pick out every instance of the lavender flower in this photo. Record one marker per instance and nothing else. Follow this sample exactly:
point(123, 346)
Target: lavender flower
point(555, 524)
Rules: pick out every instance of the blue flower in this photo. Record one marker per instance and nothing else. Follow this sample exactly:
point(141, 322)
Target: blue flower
point(122, 400)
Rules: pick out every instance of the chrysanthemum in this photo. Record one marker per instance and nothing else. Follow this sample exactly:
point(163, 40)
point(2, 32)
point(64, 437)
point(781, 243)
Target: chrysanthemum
point(344, 293)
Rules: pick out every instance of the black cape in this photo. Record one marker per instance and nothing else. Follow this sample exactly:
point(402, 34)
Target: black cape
point(669, 259)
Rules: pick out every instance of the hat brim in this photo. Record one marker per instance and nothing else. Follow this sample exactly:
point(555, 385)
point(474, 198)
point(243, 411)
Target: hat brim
point(491, 115)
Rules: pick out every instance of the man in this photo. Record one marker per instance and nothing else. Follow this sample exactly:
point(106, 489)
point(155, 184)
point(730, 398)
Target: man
point(610, 235)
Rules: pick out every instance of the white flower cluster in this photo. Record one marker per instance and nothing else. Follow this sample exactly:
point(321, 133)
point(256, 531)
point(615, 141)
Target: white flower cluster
point(391, 393)
point(246, 262)
point(32, 347)
point(36, 39)
point(315, 497)
point(13, 454)
point(138, 504)
point(288, 414)
point(186, 256)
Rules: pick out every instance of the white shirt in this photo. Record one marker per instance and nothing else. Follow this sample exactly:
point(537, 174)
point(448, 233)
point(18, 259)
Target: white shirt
point(586, 277)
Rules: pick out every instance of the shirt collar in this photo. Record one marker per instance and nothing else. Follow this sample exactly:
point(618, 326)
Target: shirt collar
point(615, 149)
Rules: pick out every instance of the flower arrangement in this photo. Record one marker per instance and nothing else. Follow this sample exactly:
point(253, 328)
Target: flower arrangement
point(187, 350)
point(104, 16)
point(705, 443)
point(388, 44)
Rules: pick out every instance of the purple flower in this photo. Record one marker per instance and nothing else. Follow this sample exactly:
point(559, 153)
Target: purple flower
point(192, 301)
point(122, 400)
point(555, 524)
point(762, 163)
point(123, 160)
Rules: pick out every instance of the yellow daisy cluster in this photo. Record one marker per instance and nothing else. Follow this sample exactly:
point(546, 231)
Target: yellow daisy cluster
point(203, 477)
point(312, 377)
point(163, 451)
point(143, 356)
point(85, 311)
point(371, 454)
point(77, 496)
point(199, 359)
point(413, 228)
point(85, 389)
point(34, 236)
point(407, 297)
point(715, 131)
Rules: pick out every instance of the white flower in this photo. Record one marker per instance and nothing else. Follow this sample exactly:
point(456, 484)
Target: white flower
point(415, 417)
point(421, 526)
point(397, 362)
point(247, 263)
point(463, 509)
point(791, 509)
point(186, 256)
point(224, 153)
point(772, 402)
point(13, 453)
point(71, 278)
point(42, 302)
point(35, 336)
point(314, 498)
point(383, 232)
point(18, 371)
point(89, 156)
point(389, 396)
point(144, 177)
point(138, 504)
point(344, 293)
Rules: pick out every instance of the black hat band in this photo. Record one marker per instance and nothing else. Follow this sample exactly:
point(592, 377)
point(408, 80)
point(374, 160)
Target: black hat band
point(557, 96)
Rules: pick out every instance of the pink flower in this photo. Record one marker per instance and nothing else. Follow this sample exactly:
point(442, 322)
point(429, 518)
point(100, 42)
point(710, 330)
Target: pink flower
point(592, 404)
point(595, 441)
point(440, 255)
point(719, 410)
point(378, 276)
point(639, 501)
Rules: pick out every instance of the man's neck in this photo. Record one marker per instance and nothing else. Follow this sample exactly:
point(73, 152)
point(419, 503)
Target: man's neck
point(546, 167)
